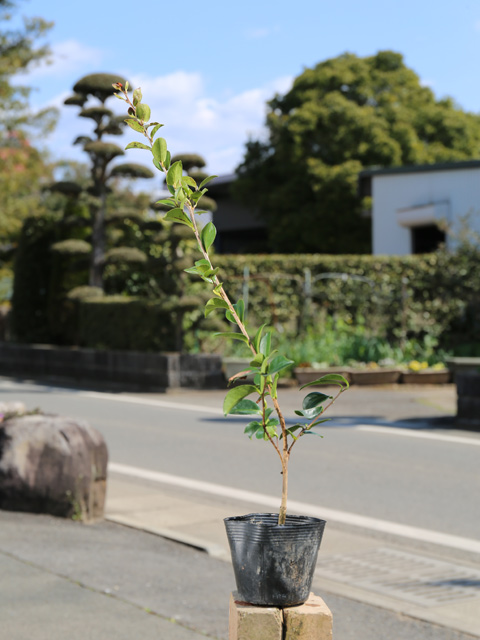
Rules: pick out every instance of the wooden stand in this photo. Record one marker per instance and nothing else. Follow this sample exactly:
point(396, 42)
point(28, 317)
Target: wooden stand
point(309, 621)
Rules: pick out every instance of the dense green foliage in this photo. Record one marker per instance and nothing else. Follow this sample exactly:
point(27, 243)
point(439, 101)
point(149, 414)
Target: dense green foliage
point(400, 297)
point(345, 114)
point(122, 323)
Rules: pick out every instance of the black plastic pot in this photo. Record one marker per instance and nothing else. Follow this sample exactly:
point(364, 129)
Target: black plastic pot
point(274, 564)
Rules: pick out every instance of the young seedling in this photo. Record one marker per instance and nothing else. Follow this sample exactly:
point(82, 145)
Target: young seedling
point(266, 364)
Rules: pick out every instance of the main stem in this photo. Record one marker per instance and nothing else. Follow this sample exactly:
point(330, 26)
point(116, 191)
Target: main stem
point(285, 454)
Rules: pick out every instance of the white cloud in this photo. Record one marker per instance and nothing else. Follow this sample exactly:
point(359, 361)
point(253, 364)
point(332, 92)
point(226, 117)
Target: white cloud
point(67, 57)
point(195, 122)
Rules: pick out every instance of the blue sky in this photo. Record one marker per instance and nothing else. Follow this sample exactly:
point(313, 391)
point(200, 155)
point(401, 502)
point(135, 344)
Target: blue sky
point(207, 68)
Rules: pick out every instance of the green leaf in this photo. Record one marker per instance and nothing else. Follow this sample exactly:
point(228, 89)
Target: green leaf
point(320, 422)
point(168, 201)
point(246, 408)
point(266, 344)
point(208, 236)
point(240, 309)
point(236, 394)
point(233, 335)
point(312, 433)
point(137, 96)
point(178, 215)
point(159, 150)
point(137, 145)
point(174, 174)
point(204, 182)
point(134, 124)
point(155, 129)
point(279, 363)
point(215, 303)
point(257, 361)
point(188, 181)
point(258, 335)
point(252, 428)
point(314, 399)
point(331, 378)
point(168, 160)
point(143, 112)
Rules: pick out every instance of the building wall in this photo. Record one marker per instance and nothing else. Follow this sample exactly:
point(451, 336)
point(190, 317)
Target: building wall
point(454, 192)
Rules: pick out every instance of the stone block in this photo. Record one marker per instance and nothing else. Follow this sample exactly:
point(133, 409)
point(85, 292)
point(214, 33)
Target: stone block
point(247, 622)
point(50, 464)
point(309, 621)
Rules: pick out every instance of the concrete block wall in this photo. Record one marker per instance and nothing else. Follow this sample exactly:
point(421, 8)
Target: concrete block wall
point(126, 369)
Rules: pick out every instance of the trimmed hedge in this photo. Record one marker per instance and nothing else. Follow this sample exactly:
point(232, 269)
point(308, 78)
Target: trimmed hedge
point(402, 296)
point(121, 323)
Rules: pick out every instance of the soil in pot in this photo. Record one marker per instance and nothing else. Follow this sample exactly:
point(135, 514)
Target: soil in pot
point(274, 564)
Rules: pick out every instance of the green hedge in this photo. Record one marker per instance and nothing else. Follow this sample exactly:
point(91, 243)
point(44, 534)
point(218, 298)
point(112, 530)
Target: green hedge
point(126, 324)
point(434, 294)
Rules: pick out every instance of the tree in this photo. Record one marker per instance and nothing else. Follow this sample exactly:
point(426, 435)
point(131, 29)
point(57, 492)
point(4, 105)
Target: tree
point(345, 114)
point(101, 154)
point(23, 167)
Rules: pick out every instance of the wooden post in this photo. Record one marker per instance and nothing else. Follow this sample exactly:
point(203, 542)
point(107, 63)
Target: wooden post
point(309, 621)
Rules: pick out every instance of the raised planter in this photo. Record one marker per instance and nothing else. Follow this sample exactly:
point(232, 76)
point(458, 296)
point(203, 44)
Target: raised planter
point(304, 375)
point(231, 366)
point(426, 376)
point(375, 376)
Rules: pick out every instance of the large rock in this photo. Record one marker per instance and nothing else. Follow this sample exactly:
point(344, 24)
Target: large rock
point(51, 464)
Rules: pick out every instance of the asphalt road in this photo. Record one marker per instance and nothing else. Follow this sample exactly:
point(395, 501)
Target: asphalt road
point(431, 482)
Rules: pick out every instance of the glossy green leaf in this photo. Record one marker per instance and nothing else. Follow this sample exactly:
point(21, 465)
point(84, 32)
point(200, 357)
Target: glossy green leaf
point(312, 433)
point(137, 145)
point(215, 303)
point(143, 112)
point(279, 363)
point(235, 395)
point(331, 378)
point(137, 96)
point(133, 124)
point(258, 336)
point(159, 150)
point(168, 160)
point(257, 360)
point(155, 129)
point(208, 235)
point(168, 201)
point(252, 428)
point(266, 343)
point(189, 182)
point(232, 335)
point(246, 408)
point(178, 215)
point(174, 174)
point(314, 399)
point(240, 309)
point(206, 181)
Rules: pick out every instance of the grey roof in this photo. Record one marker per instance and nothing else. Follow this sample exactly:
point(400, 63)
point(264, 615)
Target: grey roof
point(420, 168)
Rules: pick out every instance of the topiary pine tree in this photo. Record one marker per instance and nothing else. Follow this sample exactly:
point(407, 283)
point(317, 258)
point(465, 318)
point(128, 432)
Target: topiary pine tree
point(101, 154)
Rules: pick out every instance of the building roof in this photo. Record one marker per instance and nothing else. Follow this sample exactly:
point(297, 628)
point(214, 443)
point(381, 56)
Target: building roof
point(420, 168)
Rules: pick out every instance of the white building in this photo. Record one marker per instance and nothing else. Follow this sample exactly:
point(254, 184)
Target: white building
point(410, 202)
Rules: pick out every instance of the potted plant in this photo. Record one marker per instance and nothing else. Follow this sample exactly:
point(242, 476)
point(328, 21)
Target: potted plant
point(273, 555)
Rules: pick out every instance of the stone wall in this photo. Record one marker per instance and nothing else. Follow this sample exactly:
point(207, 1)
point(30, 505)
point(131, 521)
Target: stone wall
point(124, 369)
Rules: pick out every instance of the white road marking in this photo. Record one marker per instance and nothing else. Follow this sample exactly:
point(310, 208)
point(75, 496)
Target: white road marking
point(414, 433)
point(164, 404)
point(384, 526)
